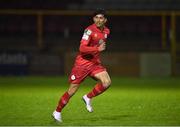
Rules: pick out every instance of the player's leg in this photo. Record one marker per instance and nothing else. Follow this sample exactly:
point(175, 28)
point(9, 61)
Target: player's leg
point(66, 96)
point(64, 100)
point(99, 88)
point(78, 74)
point(104, 84)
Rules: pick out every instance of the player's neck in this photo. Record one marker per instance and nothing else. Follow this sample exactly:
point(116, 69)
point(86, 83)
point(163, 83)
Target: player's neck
point(101, 28)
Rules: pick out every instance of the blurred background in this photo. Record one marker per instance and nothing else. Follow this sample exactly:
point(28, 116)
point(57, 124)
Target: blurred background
point(41, 37)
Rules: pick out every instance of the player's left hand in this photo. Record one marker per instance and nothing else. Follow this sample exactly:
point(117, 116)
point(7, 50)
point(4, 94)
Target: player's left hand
point(102, 46)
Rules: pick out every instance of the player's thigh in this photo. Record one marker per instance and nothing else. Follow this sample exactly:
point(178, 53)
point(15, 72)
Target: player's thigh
point(104, 78)
point(78, 74)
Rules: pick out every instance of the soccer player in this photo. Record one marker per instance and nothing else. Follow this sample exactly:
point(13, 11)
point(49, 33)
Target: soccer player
point(88, 63)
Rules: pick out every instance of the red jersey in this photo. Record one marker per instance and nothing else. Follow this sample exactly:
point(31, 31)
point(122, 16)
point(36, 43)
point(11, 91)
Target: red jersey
point(88, 50)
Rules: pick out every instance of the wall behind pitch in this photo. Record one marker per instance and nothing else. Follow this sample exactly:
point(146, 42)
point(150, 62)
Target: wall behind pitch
point(46, 64)
point(14, 63)
point(69, 59)
point(130, 63)
point(121, 64)
point(155, 64)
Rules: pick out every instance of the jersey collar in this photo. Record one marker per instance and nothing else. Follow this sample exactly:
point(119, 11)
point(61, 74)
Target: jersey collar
point(98, 28)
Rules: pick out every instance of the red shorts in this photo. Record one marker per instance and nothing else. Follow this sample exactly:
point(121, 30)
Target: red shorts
point(79, 73)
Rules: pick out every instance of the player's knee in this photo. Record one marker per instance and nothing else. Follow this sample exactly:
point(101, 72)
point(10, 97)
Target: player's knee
point(72, 90)
point(106, 83)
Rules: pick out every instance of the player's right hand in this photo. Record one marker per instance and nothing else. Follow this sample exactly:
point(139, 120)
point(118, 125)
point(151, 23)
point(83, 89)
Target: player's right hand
point(102, 47)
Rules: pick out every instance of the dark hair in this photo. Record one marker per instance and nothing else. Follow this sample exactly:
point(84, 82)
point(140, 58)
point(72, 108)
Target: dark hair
point(100, 11)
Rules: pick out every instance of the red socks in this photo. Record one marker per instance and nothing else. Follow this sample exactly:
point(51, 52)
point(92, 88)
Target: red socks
point(98, 89)
point(63, 101)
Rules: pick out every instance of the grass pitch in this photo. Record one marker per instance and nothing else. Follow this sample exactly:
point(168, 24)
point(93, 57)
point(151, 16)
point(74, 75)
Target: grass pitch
point(129, 101)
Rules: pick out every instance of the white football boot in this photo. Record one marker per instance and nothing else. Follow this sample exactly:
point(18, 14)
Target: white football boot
point(57, 116)
point(87, 101)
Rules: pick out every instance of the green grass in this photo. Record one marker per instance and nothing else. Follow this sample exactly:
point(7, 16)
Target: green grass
point(129, 101)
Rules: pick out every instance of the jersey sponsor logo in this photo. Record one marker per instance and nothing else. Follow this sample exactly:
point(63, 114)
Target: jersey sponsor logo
point(86, 34)
point(85, 37)
point(73, 77)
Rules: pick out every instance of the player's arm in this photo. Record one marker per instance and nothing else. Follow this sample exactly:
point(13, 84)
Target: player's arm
point(84, 48)
point(87, 49)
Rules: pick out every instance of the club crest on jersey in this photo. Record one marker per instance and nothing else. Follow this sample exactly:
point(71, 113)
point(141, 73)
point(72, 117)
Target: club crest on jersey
point(105, 35)
point(95, 35)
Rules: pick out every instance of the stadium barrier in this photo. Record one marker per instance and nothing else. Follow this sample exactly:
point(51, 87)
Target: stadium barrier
point(131, 64)
point(155, 64)
point(14, 63)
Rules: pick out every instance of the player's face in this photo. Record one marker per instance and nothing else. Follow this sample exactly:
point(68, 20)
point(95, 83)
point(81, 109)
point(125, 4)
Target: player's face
point(99, 20)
